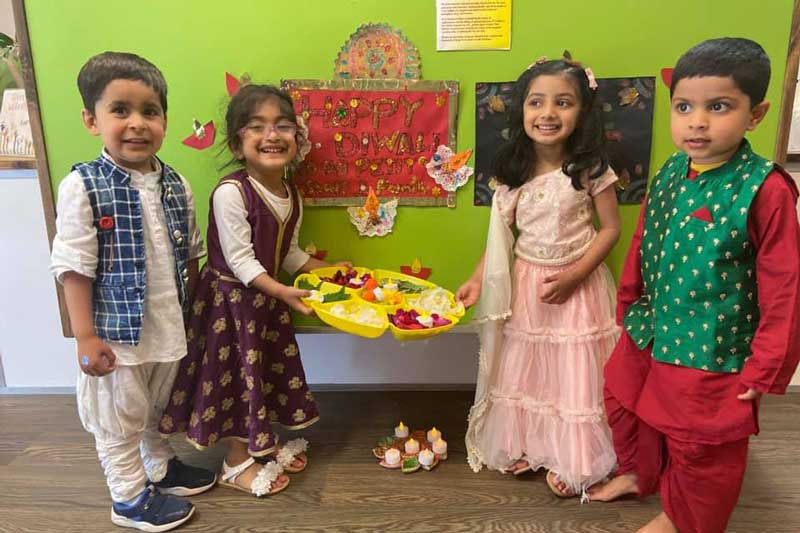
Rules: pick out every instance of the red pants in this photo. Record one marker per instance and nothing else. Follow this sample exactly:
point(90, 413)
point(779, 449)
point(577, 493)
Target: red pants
point(699, 484)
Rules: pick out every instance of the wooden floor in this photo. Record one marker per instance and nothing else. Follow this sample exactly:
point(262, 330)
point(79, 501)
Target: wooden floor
point(51, 480)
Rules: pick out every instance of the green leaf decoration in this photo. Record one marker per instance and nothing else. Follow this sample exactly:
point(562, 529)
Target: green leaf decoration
point(336, 296)
point(306, 285)
point(410, 465)
point(5, 41)
point(407, 286)
point(386, 441)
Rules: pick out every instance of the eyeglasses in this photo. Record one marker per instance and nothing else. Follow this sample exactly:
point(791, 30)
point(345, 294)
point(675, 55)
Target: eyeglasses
point(284, 129)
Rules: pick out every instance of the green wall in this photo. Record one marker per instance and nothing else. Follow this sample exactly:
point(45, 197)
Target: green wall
point(195, 42)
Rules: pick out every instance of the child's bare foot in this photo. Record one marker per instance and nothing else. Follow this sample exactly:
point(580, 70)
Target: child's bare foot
point(520, 467)
point(618, 486)
point(659, 524)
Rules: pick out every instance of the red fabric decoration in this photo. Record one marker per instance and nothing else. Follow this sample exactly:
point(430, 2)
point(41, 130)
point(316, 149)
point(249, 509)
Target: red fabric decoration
point(703, 214)
point(106, 223)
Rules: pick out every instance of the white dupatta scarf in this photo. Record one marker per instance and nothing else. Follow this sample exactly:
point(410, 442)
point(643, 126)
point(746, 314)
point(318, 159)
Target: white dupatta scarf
point(493, 309)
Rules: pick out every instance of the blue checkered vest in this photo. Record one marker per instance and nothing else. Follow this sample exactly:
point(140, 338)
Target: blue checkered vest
point(119, 288)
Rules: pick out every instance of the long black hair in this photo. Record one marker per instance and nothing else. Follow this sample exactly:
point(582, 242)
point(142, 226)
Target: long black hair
point(585, 149)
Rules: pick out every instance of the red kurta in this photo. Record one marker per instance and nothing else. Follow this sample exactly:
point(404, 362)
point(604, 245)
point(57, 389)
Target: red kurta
point(681, 430)
point(698, 406)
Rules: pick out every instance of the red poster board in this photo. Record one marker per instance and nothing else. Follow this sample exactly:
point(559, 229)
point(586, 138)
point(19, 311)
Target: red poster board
point(373, 133)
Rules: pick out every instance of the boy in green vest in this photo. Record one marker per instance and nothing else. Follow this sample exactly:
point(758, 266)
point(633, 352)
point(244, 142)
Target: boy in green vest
point(709, 298)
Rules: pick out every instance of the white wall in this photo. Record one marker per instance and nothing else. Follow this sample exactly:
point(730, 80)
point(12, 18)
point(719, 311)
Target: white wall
point(7, 19)
point(34, 354)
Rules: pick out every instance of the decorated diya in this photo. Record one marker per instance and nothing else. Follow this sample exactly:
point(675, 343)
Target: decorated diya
point(410, 451)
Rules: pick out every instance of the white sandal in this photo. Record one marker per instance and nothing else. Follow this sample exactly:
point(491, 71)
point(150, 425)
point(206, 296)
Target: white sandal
point(291, 450)
point(261, 484)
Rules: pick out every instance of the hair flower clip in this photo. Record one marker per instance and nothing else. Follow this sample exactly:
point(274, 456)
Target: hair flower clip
point(592, 79)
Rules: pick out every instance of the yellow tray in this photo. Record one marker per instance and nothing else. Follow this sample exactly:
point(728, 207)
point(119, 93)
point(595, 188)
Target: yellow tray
point(350, 326)
point(329, 272)
point(419, 334)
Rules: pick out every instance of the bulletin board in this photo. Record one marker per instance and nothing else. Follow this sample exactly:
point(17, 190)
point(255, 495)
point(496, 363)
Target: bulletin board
point(199, 41)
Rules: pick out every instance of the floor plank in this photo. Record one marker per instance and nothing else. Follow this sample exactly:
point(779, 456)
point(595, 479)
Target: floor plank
point(52, 481)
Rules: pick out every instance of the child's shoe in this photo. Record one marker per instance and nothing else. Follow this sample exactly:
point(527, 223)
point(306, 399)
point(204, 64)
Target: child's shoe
point(152, 512)
point(185, 480)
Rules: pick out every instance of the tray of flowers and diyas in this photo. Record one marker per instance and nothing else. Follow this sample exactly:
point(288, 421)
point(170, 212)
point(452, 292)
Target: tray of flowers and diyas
point(367, 302)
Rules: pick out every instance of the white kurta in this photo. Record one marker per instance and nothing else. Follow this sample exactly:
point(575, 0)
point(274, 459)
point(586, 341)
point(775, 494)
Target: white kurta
point(75, 249)
point(122, 409)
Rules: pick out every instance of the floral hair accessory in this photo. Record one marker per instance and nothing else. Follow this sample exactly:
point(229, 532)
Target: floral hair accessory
point(303, 143)
point(567, 58)
point(539, 61)
point(106, 223)
point(592, 79)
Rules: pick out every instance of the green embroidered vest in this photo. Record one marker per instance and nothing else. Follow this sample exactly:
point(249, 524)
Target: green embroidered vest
point(699, 302)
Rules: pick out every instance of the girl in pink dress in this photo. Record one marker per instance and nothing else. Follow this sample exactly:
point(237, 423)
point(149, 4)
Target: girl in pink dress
point(546, 311)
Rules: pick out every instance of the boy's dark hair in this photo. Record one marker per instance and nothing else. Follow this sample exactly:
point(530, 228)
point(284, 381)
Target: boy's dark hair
point(741, 59)
point(242, 106)
point(104, 68)
point(586, 155)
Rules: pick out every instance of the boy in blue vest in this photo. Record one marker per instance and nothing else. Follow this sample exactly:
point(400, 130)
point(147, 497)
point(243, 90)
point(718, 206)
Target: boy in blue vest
point(709, 298)
point(126, 252)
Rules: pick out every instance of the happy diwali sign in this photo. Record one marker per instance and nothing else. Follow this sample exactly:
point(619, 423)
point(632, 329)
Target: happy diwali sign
point(373, 133)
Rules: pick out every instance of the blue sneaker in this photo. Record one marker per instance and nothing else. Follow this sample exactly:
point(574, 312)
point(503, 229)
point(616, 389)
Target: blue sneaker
point(185, 480)
point(152, 512)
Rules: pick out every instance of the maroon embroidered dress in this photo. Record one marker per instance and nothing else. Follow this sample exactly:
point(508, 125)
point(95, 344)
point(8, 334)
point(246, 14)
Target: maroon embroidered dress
point(243, 370)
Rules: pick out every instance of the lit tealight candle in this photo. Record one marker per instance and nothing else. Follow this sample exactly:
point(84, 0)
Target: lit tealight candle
point(392, 456)
point(401, 431)
point(426, 457)
point(434, 434)
point(412, 446)
point(440, 447)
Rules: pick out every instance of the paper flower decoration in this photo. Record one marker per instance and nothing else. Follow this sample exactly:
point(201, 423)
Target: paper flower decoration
point(203, 136)
point(303, 142)
point(373, 219)
point(449, 170)
point(416, 269)
point(311, 249)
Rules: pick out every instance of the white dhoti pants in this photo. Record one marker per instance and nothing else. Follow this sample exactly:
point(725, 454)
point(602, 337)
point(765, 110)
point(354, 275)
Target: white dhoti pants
point(122, 410)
